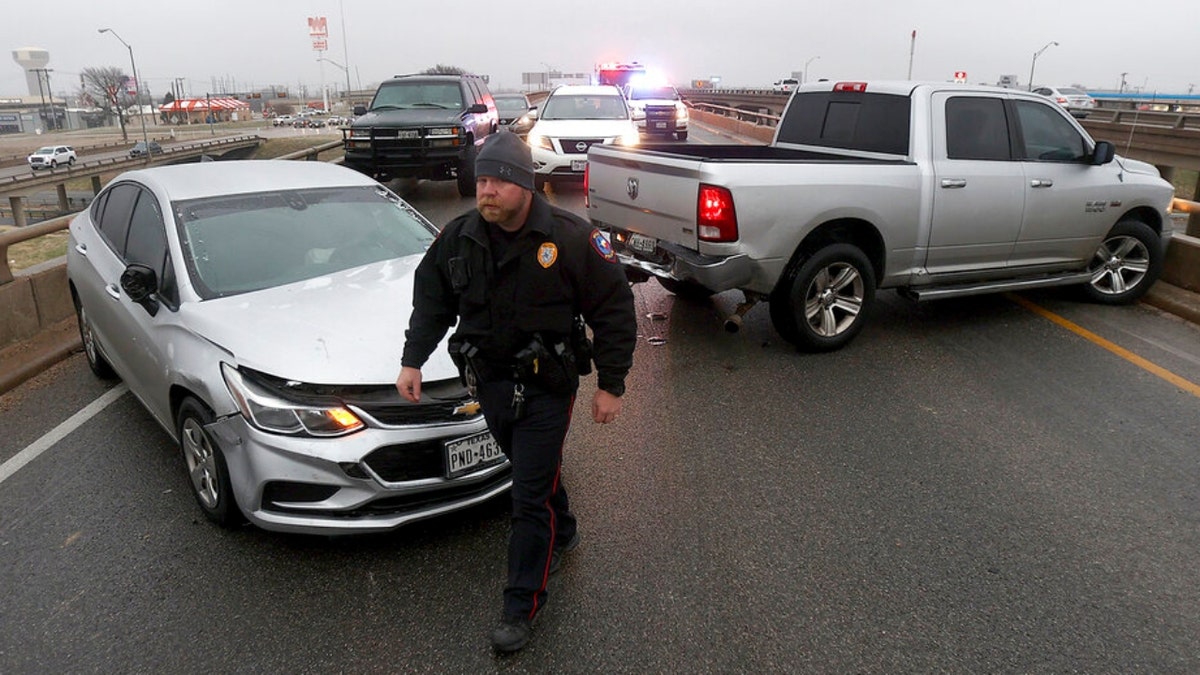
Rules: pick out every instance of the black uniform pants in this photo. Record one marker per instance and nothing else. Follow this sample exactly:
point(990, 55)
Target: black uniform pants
point(541, 517)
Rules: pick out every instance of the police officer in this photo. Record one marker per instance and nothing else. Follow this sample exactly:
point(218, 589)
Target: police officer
point(515, 273)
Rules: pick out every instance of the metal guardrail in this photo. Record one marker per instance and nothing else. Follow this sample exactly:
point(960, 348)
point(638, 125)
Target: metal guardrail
point(765, 119)
point(62, 222)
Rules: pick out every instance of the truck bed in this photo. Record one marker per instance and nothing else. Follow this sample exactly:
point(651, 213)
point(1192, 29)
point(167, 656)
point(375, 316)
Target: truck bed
point(744, 153)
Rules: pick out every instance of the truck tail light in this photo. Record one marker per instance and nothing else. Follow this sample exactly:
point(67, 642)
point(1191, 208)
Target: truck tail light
point(856, 87)
point(716, 218)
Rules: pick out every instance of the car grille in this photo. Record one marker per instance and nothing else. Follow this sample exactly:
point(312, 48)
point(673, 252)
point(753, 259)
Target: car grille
point(409, 139)
point(577, 146)
point(412, 502)
point(660, 113)
point(410, 461)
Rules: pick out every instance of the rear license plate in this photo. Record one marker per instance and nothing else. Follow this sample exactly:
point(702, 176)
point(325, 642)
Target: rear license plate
point(642, 244)
point(473, 452)
point(578, 165)
point(660, 125)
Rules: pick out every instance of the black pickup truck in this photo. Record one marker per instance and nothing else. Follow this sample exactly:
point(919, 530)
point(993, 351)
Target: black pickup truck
point(422, 126)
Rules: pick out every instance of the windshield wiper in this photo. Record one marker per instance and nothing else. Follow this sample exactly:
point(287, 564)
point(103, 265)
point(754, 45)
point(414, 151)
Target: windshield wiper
point(431, 105)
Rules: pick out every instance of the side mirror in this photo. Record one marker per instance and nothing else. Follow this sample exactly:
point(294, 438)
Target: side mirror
point(140, 283)
point(638, 114)
point(477, 109)
point(360, 109)
point(533, 113)
point(1103, 153)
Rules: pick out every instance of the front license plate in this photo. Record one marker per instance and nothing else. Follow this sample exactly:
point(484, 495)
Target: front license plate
point(660, 125)
point(578, 164)
point(642, 244)
point(472, 452)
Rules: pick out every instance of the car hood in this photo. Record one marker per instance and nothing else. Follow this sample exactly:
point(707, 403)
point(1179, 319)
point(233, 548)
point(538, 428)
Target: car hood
point(403, 118)
point(344, 328)
point(582, 128)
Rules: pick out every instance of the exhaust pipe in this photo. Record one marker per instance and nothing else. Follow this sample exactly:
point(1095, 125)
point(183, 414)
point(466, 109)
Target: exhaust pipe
point(734, 322)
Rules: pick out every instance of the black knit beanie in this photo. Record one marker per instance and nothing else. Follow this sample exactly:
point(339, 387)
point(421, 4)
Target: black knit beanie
point(505, 156)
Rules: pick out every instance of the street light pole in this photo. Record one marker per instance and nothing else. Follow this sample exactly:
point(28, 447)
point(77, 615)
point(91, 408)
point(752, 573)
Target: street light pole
point(1036, 54)
point(806, 68)
point(138, 83)
point(344, 70)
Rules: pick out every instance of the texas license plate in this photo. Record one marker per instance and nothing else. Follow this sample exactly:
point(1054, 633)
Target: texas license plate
point(642, 244)
point(660, 125)
point(578, 165)
point(476, 451)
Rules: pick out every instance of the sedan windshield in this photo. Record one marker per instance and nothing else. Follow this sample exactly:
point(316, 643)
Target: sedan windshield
point(238, 243)
point(585, 107)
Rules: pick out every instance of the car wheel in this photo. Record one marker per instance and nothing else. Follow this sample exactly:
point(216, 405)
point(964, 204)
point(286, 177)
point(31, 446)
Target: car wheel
point(821, 302)
point(53, 164)
point(1128, 262)
point(466, 171)
point(71, 161)
point(688, 290)
point(207, 471)
point(682, 135)
point(87, 335)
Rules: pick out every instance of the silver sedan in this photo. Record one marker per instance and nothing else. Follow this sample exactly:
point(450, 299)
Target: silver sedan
point(257, 309)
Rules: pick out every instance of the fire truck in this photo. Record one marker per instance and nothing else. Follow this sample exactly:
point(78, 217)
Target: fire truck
point(618, 74)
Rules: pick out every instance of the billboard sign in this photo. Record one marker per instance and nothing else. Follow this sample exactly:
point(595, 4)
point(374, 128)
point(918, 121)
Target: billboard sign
point(318, 30)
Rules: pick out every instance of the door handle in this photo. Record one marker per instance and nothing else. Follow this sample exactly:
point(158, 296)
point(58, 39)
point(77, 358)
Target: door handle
point(954, 182)
point(112, 292)
point(1041, 183)
point(81, 249)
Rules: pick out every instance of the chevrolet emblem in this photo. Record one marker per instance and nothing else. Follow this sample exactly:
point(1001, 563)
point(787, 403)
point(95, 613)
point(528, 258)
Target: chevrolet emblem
point(470, 409)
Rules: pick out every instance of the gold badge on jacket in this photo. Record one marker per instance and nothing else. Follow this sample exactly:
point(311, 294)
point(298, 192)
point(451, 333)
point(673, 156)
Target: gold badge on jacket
point(547, 254)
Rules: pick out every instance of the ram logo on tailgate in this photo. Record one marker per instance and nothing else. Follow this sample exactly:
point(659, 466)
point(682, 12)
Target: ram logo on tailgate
point(631, 188)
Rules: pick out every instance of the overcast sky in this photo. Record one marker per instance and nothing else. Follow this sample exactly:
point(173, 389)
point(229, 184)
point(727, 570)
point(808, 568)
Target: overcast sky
point(254, 44)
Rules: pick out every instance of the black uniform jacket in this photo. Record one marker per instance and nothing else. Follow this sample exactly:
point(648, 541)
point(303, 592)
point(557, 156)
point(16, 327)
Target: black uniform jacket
point(557, 267)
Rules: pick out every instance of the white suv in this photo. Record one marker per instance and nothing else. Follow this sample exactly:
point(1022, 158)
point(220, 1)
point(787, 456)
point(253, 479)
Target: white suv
point(572, 119)
point(51, 156)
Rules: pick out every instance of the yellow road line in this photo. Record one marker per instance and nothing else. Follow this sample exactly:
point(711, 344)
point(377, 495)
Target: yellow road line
point(1190, 387)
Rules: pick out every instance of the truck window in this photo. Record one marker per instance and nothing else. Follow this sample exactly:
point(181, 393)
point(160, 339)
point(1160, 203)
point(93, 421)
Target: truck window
point(1047, 135)
point(850, 120)
point(977, 128)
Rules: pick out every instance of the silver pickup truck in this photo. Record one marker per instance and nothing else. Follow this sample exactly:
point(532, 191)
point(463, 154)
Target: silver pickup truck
point(937, 190)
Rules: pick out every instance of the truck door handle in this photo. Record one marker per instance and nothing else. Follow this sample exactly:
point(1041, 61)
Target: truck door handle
point(112, 292)
point(954, 182)
point(1041, 182)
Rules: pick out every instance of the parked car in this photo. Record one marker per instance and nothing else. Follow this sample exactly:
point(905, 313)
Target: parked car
point(510, 107)
point(257, 310)
point(1075, 100)
point(51, 156)
point(139, 149)
point(573, 118)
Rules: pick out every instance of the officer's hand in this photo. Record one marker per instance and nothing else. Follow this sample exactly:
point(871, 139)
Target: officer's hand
point(605, 406)
point(409, 384)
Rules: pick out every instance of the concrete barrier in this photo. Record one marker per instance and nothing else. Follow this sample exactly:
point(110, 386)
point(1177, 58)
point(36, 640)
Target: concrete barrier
point(36, 299)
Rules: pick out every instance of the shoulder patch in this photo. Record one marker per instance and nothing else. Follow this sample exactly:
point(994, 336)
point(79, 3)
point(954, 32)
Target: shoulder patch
point(603, 246)
point(547, 254)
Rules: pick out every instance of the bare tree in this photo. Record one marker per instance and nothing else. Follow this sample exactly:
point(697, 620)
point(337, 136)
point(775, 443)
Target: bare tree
point(106, 87)
point(441, 69)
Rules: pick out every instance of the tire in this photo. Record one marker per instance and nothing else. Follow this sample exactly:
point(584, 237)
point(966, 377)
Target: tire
point(466, 172)
point(821, 302)
point(208, 474)
point(1128, 262)
point(71, 162)
point(96, 361)
point(688, 290)
point(53, 164)
point(681, 135)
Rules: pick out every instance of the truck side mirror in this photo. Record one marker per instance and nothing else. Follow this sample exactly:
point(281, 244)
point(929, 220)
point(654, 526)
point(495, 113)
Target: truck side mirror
point(360, 109)
point(1103, 153)
point(477, 109)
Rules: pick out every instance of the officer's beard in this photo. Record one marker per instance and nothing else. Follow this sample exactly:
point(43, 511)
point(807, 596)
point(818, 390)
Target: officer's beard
point(507, 219)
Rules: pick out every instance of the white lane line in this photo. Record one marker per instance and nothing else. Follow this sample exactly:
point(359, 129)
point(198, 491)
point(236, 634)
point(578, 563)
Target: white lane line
point(59, 432)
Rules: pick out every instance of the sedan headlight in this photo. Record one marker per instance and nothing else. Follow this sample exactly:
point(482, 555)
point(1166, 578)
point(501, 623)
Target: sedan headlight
point(269, 412)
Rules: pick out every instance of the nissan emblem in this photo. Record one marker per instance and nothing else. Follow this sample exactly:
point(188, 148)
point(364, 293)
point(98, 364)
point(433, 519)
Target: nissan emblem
point(581, 146)
point(631, 187)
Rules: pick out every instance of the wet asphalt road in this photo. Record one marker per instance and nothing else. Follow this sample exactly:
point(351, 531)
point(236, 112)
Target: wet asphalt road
point(968, 487)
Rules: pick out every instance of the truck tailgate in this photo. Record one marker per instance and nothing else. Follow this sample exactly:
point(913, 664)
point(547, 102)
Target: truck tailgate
point(652, 194)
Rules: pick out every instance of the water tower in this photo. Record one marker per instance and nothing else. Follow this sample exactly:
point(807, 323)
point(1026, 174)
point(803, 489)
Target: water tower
point(32, 60)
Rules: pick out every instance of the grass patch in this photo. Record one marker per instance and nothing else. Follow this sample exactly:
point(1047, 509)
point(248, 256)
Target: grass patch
point(278, 147)
point(29, 253)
